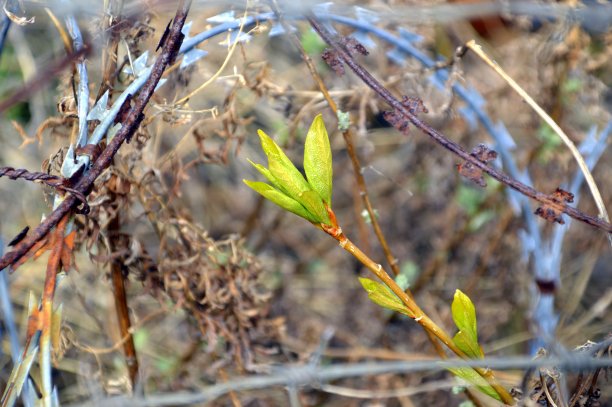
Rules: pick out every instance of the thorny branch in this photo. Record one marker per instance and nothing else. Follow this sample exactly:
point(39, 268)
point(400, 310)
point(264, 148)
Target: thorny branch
point(342, 55)
point(129, 127)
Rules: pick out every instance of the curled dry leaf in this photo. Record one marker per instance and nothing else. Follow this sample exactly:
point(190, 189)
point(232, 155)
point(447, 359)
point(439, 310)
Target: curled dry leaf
point(552, 213)
point(467, 169)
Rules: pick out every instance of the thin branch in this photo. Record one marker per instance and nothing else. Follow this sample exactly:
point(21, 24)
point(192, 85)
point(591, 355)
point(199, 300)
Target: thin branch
point(445, 142)
point(109, 52)
point(53, 268)
point(118, 277)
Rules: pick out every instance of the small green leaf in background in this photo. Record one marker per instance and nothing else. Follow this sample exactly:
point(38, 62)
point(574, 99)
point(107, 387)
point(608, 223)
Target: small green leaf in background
point(366, 216)
point(312, 42)
point(409, 271)
point(381, 295)
point(471, 376)
point(318, 160)
point(550, 142)
point(141, 338)
point(480, 219)
point(470, 199)
point(464, 315)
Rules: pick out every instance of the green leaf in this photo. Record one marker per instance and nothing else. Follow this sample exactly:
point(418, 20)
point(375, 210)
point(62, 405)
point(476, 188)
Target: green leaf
point(313, 203)
point(282, 200)
point(383, 296)
point(471, 376)
point(318, 159)
point(312, 43)
point(266, 173)
point(464, 315)
point(282, 169)
point(468, 345)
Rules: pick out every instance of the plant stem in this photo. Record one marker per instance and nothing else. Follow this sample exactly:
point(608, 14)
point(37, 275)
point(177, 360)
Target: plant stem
point(119, 294)
point(53, 267)
point(350, 148)
point(417, 313)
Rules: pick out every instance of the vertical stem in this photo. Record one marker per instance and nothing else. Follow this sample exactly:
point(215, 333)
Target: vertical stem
point(361, 185)
point(53, 267)
point(121, 307)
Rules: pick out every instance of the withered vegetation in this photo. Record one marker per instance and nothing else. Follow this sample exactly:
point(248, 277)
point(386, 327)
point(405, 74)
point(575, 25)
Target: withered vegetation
point(175, 277)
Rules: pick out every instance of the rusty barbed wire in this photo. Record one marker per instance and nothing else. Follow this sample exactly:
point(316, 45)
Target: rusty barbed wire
point(54, 181)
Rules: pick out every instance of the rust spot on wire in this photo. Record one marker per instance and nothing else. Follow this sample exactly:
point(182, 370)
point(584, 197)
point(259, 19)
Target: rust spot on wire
point(551, 212)
point(396, 119)
point(331, 58)
point(467, 169)
point(353, 46)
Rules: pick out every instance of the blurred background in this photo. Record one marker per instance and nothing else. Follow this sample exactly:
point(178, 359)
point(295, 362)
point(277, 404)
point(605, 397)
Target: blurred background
point(222, 283)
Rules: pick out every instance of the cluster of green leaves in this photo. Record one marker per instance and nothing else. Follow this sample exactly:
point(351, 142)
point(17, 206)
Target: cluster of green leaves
point(464, 316)
point(310, 197)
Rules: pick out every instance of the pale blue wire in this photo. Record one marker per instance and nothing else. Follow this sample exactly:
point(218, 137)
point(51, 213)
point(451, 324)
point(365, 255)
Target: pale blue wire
point(83, 90)
point(7, 313)
point(109, 119)
point(5, 25)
